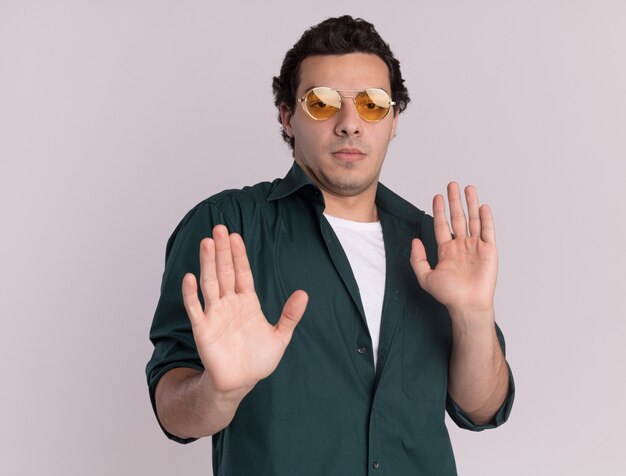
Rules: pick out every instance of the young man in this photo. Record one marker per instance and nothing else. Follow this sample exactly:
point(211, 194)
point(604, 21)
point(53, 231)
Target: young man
point(335, 339)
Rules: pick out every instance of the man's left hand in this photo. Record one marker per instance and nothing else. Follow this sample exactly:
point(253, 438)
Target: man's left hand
point(464, 278)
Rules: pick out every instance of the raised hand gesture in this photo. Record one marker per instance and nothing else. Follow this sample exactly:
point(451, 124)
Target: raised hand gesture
point(464, 279)
point(236, 343)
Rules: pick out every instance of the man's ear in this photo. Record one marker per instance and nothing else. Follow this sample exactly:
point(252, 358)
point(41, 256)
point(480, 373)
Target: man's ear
point(285, 118)
point(396, 114)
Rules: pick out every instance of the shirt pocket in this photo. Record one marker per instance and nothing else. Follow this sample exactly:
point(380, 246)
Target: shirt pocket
point(426, 344)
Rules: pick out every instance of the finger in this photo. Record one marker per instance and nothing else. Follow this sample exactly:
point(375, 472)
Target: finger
point(457, 215)
point(223, 260)
point(442, 228)
point(292, 313)
point(208, 276)
point(419, 263)
point(488, 228)
point(243, 274)
point(471, 197)
point(191, 301)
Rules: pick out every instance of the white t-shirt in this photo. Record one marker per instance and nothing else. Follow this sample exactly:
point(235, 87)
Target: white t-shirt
point(364, 246)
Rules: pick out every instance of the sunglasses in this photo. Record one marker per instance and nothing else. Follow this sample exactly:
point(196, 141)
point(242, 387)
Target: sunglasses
point(322, 103)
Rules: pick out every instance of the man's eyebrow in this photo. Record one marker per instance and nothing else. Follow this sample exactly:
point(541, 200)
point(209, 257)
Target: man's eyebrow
point(384, 88)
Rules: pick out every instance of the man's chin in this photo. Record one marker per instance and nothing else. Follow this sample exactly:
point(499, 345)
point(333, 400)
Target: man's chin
point(347, 188)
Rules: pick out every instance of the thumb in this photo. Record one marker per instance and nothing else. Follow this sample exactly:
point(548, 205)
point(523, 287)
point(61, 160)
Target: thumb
point(291, 315)
point(419, 263)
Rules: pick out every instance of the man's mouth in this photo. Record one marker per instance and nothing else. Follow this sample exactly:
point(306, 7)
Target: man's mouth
point(349, 154)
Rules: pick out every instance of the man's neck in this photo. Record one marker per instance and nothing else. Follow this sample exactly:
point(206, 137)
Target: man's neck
point(360, 208)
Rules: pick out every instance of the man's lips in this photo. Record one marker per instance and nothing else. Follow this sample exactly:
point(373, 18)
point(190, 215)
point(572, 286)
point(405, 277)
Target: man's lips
point(349, 154)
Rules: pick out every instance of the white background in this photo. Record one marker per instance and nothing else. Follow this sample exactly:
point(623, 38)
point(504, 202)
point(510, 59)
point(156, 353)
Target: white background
point(117, 117)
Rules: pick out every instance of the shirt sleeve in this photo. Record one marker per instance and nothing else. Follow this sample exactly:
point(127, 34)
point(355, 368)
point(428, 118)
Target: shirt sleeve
point(464, 421)
point(171, 333)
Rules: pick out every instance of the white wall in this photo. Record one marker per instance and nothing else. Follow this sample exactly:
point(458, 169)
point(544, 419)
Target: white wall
point(117, 116)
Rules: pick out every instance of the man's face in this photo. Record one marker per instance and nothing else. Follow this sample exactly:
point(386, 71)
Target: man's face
point(342, 155)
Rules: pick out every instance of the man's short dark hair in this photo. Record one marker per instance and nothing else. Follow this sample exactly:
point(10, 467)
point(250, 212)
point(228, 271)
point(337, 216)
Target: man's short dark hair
point(336, 36)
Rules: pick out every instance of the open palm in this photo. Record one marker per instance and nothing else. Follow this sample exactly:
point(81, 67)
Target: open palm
point(467, 267)
point(237, 345)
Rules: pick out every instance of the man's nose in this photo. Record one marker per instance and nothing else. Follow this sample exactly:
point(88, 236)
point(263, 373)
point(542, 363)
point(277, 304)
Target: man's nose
point(348, 122)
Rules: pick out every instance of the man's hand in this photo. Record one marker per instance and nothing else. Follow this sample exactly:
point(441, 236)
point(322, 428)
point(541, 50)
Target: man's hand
point(464, 279)
point(237, 345)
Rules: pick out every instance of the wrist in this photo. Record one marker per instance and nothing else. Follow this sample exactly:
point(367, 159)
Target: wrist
point(473, 320)
point(221, 397)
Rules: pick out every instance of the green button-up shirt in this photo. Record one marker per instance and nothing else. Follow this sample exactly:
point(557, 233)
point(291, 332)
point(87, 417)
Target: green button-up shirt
point(327, 409)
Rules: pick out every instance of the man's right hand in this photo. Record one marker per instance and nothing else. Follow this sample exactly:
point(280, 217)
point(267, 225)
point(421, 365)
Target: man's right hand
point(237, 345)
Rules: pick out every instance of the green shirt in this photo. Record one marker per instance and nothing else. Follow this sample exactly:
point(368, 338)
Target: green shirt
point(326, 410)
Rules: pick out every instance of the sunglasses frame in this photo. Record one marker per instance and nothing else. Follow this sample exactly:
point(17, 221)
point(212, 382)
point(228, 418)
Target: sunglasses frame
point(342, 95)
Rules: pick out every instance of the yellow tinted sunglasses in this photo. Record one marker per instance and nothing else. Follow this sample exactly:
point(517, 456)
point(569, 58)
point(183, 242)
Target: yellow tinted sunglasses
point(321, 103)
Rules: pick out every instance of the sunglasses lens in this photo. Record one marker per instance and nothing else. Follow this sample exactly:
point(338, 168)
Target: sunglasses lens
point(373, 104)
point(322, 103)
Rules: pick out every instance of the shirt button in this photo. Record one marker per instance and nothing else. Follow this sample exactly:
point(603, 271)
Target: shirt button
point(361, 349)
point(375, 465)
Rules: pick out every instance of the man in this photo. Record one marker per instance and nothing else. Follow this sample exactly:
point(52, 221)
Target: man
point(335, 339)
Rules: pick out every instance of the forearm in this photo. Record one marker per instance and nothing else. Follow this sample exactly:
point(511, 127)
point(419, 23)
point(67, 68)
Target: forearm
point(478, 374)
point(188, 406)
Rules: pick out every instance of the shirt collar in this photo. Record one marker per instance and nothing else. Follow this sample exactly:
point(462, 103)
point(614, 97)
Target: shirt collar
point(292, 182)
point(395, 205)
point(386, 200)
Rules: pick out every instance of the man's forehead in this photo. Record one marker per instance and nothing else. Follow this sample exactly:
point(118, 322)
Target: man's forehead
point(346, 71)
